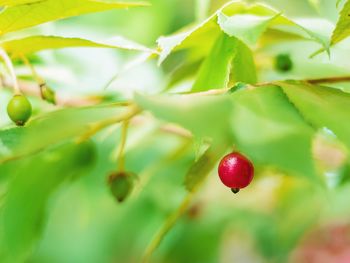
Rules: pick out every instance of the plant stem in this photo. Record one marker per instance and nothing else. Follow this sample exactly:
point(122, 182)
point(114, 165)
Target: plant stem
point(329, 80)
point(311, 81)
point(170, 222)
point(99, 126)
point(35, 74)
point(121, 149)
point(11, 69)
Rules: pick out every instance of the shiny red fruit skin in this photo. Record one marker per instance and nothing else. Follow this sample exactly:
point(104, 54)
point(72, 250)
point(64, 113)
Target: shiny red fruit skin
point(236, 171)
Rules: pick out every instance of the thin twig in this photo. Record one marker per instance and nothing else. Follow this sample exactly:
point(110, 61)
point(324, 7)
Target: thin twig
point(35, 74)
point(11, 69)
point(62, 99)
point(121, 147)
point(101, 125)
point(329, 80)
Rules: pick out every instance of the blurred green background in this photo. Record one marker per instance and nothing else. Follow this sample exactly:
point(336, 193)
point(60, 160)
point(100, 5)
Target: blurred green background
point(278, 219)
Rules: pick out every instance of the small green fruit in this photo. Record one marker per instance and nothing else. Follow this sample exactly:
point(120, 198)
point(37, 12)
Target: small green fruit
point(19, 109)
point(48, 94)
point(121, 185)
point(283, 63)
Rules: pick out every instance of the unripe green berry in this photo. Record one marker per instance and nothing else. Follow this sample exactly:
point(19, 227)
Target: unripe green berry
point(19, 109)
point(283, 63)
point(121, 185)
point(48, 94)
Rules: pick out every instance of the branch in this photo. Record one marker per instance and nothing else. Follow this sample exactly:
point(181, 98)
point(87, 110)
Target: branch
point(62, 99)
point(329, 80)
point(213, 92)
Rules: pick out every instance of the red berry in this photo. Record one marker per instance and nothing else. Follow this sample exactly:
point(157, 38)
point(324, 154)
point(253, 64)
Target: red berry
point(236, 171)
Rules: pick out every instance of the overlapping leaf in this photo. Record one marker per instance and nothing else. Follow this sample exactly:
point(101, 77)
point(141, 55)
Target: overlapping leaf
point(215, 70)
point(247, 28)
point(256, 18)
point(231, 59)
point(342, 29)
point(204, 116)
point(262, 124)
point(22, 214)
point(268, 128)
point(18, 17)
point(324, 107)
point(243, 66)
point(32, 44)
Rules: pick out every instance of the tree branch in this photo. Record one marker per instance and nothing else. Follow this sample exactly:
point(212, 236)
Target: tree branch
point(329, 80)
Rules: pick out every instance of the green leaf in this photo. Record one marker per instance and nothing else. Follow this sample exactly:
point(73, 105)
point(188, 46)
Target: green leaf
point(324, 107)
point(203, 34)
point(342, 29)
point(214, 72)
point(17, 2)
point(55, 127)
point(23, 16)
point(201, 168)
point(204, 116)
point(229, 59)
point(32, 44)
point(268, 128)
point(257, 18)
point(200, 38)
point(22, 214)
point(243, 66)
point(246, 27)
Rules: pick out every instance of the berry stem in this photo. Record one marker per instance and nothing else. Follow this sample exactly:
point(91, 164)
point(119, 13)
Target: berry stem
point(11, 69)
point(35, 74)
point(121, 149)
point(133, 111)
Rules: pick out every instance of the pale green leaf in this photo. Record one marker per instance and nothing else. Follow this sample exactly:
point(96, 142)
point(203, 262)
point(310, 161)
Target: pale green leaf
point(24, 16)
point(243, 66)
point(23, 46)
point(246, 27)
point(229, 59)
point(34, 180)
point(205, 117)
point(342, 29)
point(324, 107)
point(260, 17)
point(268, 128)
point(203, 34)
point(214, 72)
